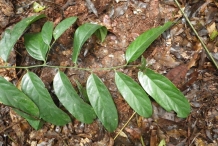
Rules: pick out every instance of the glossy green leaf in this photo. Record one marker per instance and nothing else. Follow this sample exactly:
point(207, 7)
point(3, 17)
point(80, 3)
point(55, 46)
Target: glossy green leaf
point(35, 45)
point(36, 123)
point(143, 63)
point(22, 104)
point(63, 26)
point(102, 102)
point(142, 42)
point(46, 32)
point(134, 95)
point(10, 37)
point(70, 100)
point(101, 33)
point(164, 92)
point(13, 97)
point(35, 89)
point(81, 35)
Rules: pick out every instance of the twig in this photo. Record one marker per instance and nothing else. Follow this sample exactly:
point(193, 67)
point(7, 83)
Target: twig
point(204, 46)
point(11, 125)
point(142, 141)
point(71, 67)
point(124, 125)
point(194, 138)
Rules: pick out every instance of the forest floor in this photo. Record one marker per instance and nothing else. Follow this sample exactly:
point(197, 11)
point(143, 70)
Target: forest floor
point(177, 54)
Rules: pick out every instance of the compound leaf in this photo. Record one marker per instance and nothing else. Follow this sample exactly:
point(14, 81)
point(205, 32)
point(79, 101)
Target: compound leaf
point(142, 42)
point(63, 26)
point(134, 94)
point(13, 97)
point(164, 92)
point(47, 32)
point(71, 100)
point(35, 45)
point(102, 102)
point(81, 35)
point(33, 86)
point(10, 37)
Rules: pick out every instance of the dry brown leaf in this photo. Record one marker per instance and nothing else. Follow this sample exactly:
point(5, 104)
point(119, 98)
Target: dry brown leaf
point(134, 132)
point(177, 74)
point(176, 133)
point(153, 139)
point(9, 73)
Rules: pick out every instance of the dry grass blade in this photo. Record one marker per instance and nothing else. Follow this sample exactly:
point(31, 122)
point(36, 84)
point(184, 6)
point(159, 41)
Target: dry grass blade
point(204, 46)
point(124, 125)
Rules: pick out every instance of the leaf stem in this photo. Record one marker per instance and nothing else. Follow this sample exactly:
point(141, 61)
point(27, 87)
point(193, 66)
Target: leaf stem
point(71, 67)
point(6, 128)
point(204, 46)
point(142, 141)
point(50, 46)
point(23, 67)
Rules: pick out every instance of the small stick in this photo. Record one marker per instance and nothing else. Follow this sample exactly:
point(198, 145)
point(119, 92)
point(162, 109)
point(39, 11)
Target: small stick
point(124, 125)
point(204, 46)
point(11, 126)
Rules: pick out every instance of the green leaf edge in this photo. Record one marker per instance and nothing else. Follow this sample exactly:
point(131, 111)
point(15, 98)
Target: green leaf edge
point(14, 35)
point(79, 39)
point(112, 126)
point(148, 37)
point(45, 116)
point(180, 113)
point(66, 86)
point(57, 33)
point(147, 108)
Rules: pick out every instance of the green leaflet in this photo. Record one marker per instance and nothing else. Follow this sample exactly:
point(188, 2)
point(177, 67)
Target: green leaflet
point(36, 123)
point(133, 94)
point(63, 26)
point(143, 63)
point(71, 101)
point(164, 92)
point(10, 37)
point(35, 46)
point(102, 102)
point(82, 91)
point(46, 32)
point(35, 89)
point(142, 42)
point(13, 97)
point(82, 34)
point(101, 33)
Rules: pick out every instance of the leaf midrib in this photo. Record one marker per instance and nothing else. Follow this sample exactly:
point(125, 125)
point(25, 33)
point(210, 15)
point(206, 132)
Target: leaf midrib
point(45, 99)
point(145, 42)
point(165, 95)
point(128, 87)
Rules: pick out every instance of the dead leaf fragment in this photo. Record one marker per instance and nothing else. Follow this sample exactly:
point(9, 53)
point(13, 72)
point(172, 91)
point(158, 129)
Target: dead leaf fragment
point(177, 74)
point(91, 7)
point(134, 132)
point(212, 31)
